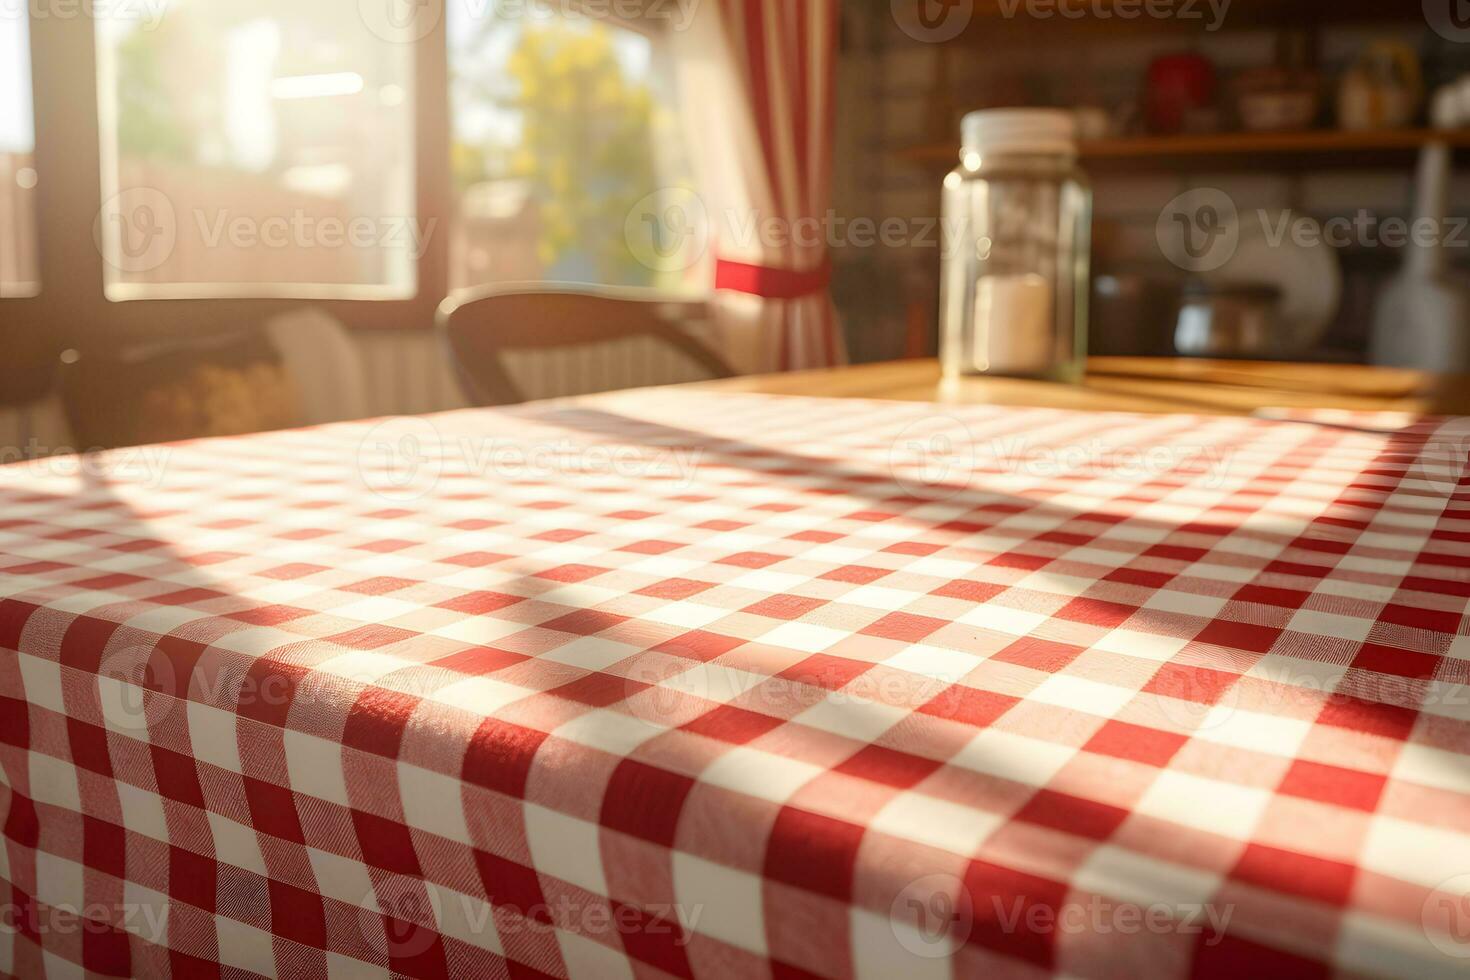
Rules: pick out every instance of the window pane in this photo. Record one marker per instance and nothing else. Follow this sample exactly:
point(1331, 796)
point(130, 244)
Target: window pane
point(256, 146)
point(563, 127)
point(19, 273)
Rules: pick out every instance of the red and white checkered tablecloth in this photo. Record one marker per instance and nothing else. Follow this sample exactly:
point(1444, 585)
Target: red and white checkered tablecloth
point(689, 684)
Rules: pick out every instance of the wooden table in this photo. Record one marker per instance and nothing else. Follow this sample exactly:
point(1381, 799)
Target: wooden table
point(1162, 385)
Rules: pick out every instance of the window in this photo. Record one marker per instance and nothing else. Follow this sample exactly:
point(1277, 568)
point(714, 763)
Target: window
point(562, 128)
point(19, 264)
point(370, 157)
point(256, 146)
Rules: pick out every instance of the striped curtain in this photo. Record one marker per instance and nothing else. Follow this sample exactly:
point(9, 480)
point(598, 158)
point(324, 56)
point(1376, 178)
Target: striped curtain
point(757, 78)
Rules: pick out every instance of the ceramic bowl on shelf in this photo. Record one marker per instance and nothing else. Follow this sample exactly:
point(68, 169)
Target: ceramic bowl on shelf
point(1279, 112)
point(1275, 100)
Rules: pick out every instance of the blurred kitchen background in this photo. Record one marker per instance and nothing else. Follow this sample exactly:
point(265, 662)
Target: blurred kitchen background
point(1316, 107)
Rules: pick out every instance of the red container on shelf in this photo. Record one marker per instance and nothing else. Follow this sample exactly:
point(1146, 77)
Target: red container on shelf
point(1178, 85)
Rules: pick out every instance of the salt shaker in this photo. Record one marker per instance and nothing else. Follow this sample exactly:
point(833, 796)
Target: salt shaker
point(1018, 232)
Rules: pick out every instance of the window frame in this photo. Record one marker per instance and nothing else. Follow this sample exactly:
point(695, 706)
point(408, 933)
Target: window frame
point(72, 304)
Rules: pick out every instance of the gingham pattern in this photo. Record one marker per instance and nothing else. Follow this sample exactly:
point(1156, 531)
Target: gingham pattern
point(689, 684)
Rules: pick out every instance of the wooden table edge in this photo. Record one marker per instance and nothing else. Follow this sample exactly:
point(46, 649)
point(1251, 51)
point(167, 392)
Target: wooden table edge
point(1142, 385)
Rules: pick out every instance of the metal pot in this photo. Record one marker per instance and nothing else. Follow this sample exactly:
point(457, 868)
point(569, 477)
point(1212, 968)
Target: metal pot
point(1228, 320)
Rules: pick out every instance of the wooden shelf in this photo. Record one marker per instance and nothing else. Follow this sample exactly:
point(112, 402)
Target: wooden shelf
point(1326, 148)
point(1251, 144)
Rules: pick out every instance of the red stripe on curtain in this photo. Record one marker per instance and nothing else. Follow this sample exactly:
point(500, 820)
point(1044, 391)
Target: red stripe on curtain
point(758, 79)
point(798, 62)
point(769, 282)
point(825, 136)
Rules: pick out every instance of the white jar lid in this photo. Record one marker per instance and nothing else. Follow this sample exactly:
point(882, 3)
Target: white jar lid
point(1020, 131)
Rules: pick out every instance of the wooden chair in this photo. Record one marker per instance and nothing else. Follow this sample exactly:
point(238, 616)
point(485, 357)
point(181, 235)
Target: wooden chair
point(210, 385)
point(28, 360)
point(517, 343)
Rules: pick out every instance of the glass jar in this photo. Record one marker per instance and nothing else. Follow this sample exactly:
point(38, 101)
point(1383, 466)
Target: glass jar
point(1018, 234)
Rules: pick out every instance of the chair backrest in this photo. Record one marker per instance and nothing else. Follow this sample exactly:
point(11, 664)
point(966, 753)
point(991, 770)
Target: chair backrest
point(510, 344)
point(326, 364)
